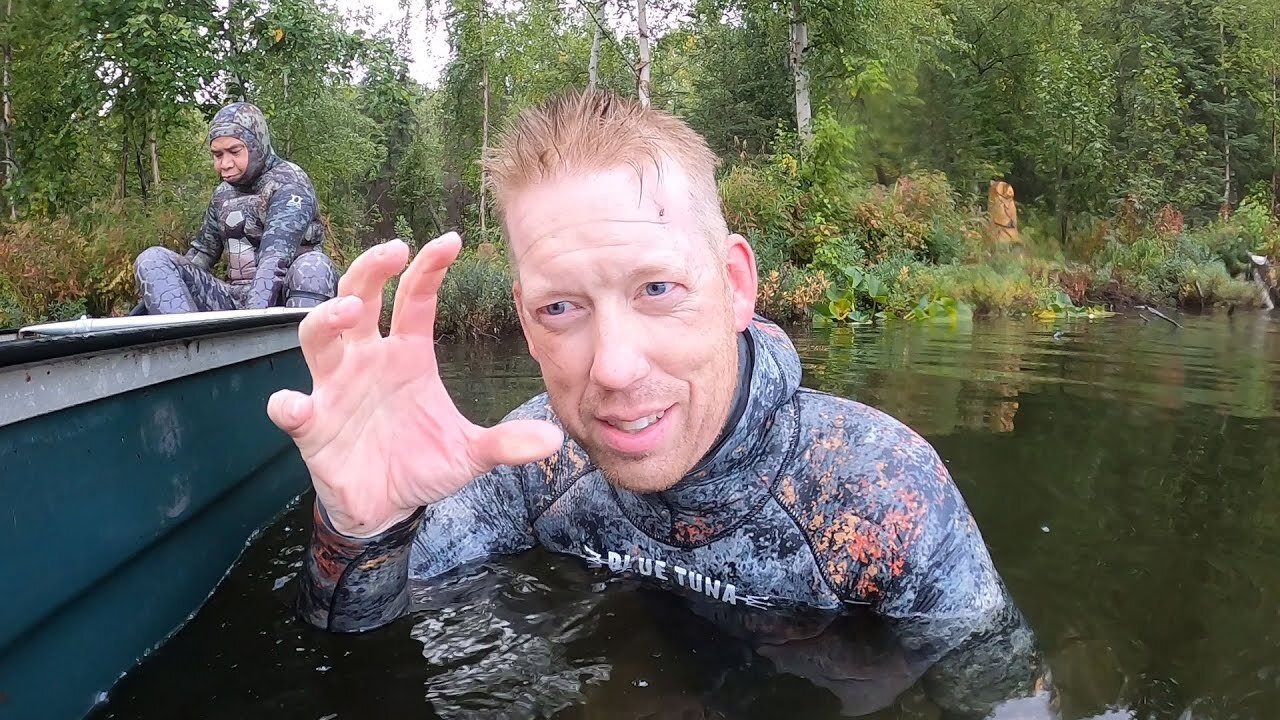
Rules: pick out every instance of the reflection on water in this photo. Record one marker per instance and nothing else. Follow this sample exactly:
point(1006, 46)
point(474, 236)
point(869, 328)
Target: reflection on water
point(1123, 474)
point(500, 647)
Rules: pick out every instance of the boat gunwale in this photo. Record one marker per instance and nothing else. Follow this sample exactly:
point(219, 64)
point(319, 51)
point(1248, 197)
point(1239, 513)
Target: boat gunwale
point(26, 350)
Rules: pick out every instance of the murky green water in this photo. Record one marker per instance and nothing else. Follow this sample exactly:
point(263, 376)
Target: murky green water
point(1125, 476)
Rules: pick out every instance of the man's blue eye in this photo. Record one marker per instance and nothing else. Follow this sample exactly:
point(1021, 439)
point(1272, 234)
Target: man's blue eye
point(555, 308)
point(656, 288)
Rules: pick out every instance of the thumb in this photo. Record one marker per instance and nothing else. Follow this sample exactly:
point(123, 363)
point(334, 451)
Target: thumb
point(290, 410)
point(515, 442)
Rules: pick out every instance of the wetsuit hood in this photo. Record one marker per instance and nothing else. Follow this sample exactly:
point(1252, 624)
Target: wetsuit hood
point(729, 481)
point(246, 123)
point(768, 375)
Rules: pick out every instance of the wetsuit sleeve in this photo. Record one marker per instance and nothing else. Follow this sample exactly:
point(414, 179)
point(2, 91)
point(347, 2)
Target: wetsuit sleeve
point(353, 584)
point(289, 211)
point(880, 512)
point(207, 245)
point(358, 584)
point(982, 664)
point(945, 597)
point(891, 532)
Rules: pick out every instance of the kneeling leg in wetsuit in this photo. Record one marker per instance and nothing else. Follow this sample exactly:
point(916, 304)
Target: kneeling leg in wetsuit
point(173, 283)
point(310, 280)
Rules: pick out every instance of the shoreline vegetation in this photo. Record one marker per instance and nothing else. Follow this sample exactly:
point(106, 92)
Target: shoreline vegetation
point(914, 160)
point(910, 251)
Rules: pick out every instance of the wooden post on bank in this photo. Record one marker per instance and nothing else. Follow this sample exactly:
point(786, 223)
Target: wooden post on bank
point(1002, 214)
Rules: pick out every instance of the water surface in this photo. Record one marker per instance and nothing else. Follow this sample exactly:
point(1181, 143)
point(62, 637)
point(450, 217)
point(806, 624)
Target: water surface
point(1123, 474)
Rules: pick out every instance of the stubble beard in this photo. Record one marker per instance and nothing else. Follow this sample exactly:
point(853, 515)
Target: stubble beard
point(646, 474)
point(662, 470)
point(650, 472)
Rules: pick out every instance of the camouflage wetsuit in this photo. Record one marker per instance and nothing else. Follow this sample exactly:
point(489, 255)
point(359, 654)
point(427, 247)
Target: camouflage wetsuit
point(807, 503)
point(267, 222)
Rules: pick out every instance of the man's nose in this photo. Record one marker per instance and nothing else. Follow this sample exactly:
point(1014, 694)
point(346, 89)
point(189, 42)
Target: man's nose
point(620, 359)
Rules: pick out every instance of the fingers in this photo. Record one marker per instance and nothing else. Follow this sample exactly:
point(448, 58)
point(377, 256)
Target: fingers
point(414, 313)
point(366, 278)
point(290, 411)
point(320, 333)
point(514, 442)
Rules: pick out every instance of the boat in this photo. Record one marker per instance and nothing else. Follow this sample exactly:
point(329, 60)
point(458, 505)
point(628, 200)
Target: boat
point(137, 462)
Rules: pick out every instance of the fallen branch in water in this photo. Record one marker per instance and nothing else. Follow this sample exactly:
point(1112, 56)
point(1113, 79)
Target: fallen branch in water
point(1159, 314)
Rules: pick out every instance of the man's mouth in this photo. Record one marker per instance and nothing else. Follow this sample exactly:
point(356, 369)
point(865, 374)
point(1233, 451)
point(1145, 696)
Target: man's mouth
point(627, 434)
point(636, 425)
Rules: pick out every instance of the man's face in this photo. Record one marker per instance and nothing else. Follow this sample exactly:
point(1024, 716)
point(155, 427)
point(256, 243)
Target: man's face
point(633, 317)
point(230, 158)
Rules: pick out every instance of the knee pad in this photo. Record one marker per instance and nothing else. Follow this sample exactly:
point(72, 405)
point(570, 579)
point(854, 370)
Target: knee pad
point(310, 280)
point(154, 259)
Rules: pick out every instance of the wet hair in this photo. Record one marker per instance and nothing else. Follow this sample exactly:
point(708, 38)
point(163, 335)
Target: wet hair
point(597, 130)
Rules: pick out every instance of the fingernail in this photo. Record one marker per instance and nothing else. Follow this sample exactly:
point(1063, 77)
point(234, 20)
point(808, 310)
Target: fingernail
point(341, 306)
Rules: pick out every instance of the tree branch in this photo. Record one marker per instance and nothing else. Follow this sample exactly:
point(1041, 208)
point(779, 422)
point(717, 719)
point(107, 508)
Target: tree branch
point(612, 40)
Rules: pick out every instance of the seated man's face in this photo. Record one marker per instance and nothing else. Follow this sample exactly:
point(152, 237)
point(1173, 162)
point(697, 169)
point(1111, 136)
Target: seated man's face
point(633, 314)
point(230, 158)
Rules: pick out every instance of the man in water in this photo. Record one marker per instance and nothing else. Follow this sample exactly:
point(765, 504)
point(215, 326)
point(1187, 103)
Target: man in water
point(264, 215)
point(674, 442)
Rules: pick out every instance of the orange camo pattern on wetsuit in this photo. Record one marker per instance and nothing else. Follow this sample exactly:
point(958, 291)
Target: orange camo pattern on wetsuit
point(808, 503)
point(807, 499)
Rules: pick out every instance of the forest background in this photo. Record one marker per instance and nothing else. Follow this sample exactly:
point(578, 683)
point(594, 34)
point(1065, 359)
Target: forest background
point(869, 146)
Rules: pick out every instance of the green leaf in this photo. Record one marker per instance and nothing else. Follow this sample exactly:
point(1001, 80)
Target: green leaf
point(875, 289)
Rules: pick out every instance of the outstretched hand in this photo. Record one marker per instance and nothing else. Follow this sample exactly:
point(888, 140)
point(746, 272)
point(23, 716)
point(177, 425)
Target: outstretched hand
point(379, 432)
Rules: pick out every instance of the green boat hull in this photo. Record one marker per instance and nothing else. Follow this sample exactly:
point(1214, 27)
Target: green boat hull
point(122, 514)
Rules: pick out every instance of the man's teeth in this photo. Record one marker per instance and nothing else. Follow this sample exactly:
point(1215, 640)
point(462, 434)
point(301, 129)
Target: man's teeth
point(636, 425)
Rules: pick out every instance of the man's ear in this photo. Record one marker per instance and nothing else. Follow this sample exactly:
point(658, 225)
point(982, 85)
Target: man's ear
point(524, 321)
point(740, 263)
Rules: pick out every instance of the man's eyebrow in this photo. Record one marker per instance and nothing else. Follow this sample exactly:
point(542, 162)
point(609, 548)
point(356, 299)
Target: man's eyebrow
point(651, 267)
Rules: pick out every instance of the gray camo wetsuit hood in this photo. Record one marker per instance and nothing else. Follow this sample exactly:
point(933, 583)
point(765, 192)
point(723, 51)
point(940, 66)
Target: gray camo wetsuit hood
point(247, 124)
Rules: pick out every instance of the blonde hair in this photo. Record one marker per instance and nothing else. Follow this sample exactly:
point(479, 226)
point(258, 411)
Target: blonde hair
point(597, 130)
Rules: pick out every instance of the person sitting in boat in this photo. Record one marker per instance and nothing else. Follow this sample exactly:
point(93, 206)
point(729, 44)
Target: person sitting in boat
point(264, 215)
point(674, 443)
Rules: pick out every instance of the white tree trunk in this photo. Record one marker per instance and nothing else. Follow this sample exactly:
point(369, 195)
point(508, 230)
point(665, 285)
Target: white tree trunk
point(799, 73)
point(151, 147)
point(593, 66)
point(6, 119)
point(484, 149)
point(1275, 143)
point(122, 187)
point(1226, 128)
point(642, 71)
point(1275, 125)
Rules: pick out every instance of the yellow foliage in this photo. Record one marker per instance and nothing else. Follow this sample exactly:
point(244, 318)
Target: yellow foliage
point(789, 297)
point(790, 164)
